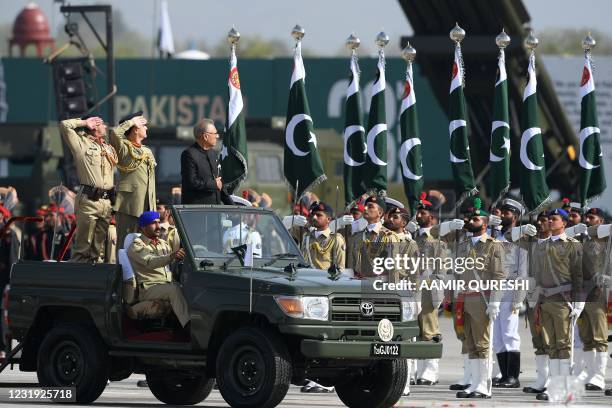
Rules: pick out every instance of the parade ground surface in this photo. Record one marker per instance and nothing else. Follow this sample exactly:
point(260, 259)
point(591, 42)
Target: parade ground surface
point(126, 394)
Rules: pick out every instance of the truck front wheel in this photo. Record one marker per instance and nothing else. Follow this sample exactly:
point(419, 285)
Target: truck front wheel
point(178, 389)
point(253, 369)
point(380, 386)
point(73, 356)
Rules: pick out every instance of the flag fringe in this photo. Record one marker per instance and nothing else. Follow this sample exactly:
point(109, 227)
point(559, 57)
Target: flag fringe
point(541, 206)
point(312, 185)
point(502, 193)
point(465, 195)
point(234, 184)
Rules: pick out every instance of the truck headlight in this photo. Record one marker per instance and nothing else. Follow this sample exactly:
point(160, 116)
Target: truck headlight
point(304, 307)
point(409, 310)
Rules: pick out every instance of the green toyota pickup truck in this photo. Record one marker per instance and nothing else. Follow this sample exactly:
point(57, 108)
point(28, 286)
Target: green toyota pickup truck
point(256, 329)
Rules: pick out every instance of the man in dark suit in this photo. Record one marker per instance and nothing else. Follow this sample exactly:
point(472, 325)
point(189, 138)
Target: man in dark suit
point(200, 170)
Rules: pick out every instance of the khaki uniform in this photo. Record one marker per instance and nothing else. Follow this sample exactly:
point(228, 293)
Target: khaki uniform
point(110, 247)
point(364, 246)
point(150, 260)
point(593, 324)
point(558, 268)
point(318, 251)
point(94, 163)
point(476, 320)
point(136, 188)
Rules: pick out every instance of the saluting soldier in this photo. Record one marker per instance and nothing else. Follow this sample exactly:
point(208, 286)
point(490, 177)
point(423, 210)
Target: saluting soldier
point(321, 246)
point(400, 243)
point(95, 161)
point(136, 188)
point(480, 307)
point(558, 267)
point(370, 243)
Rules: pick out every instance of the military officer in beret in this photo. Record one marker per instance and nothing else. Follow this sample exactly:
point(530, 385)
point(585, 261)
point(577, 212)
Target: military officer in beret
point(136, 188)
point(95, 161)
point(321, 246)
point(480, 307)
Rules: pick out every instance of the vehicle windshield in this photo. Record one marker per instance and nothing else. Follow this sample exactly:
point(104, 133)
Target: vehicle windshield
point(212, 233)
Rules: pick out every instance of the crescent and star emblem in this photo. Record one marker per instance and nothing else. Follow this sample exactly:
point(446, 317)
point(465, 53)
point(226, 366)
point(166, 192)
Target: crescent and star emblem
point(525, 138)
point(405, 149)
point(348, 132)
point(289, 138)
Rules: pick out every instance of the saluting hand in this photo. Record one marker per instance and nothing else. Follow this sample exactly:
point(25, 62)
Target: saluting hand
point(139, 121)
point(180, 254)
point(93, 122)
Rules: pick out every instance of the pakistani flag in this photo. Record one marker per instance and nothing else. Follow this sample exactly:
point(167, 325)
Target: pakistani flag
point(234, 159)
point(375, 168)
point(592, 177)
point(533, 173)
point(499, 154)
point(302, 164)
point(410, 150)
point(354, 145)
point(458, 133)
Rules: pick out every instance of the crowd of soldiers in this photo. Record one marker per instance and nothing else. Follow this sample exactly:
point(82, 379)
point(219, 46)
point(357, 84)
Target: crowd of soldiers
point(560, 268)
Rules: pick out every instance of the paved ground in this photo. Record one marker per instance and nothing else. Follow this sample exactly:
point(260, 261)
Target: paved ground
point(127, 394)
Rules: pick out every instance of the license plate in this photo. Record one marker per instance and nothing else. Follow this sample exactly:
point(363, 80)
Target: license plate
point(391, 350)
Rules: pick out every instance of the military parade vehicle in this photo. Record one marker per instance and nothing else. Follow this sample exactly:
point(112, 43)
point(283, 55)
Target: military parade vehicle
point(255, 329)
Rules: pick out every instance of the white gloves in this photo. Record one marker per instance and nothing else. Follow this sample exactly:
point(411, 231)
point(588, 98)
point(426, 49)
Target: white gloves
point(516, 307)
point(358, 225)
point(604, 230)
point(494, 221)
point(577, 308)
point(604, 280)
point(412, 227)
point(451, 225)
point(519, 232)
point(341, 222)
point(295, 221)
point(576, 230)
point(493, 310)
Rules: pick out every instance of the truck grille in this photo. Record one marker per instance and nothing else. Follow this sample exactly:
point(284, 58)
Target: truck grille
point(347, 309)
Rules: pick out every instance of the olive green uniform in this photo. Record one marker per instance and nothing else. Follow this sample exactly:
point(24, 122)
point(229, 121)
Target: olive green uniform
point(318, 248)
point(150, 260)
point(136, 188)
point(94, 161)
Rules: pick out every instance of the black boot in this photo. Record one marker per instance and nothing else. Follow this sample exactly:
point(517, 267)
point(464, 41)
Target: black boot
point(513, 370)
point(502, 361)
point(608, 392)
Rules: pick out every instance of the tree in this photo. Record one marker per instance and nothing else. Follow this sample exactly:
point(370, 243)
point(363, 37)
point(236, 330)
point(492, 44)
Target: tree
point(567, 41)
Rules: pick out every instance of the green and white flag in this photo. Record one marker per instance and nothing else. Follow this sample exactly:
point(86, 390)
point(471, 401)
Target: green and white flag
point(533, 173)
point(499, 153)
point(460, 160)
point(375, 168)
point(410, 151)
point(234, 158)
point(592, 176)
point(354, 133)
point(302, 163)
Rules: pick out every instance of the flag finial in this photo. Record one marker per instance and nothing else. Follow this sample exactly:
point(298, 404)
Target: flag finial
point(457, 34)
point(382, 39)
point(502, 40)
point(233, 36)
point(588, 43)
point(531, 41)
point(353, 42)
point(298, 32)
point(409, 53)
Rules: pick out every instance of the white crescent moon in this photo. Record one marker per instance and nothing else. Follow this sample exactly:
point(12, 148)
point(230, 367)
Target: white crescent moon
point(375, 131)
point(525, 138)
point(584, 133)
point(348, 132)
point(289, 133)
point(452, 126)
point(496, 125)
point(404, 151)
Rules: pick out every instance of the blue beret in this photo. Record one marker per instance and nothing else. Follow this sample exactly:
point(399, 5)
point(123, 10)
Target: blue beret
point(559, 211)
point(147, 218)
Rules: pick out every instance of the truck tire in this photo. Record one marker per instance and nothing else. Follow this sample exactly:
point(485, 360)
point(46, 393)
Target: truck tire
point(176, 389)
point(73, 355)
point(253, 369)
point(378, 387)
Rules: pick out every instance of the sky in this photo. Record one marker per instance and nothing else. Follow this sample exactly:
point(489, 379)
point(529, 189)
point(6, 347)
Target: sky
point(327, 22)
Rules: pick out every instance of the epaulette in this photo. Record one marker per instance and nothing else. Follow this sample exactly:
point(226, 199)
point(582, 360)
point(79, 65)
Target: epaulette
point(569, 239)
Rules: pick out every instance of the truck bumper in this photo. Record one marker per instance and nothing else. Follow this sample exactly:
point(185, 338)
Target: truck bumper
point(361, 349)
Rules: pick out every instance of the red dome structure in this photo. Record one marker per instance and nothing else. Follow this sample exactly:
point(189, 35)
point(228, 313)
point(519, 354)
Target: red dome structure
point(31, 27)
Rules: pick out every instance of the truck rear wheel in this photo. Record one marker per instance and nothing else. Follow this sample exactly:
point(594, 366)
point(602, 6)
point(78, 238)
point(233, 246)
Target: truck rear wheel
point(378, 387)
point(179, 389)
point(253, 369)
point(72, 355)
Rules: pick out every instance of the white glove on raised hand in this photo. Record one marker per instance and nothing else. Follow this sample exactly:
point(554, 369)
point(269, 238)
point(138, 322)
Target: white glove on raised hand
point(604, 230)
point(358, 225)
point(577, 308)
point(452, 225)
point(524, 230)
point(295, 221)
point(576, 230)
point(412, 227)
point(494, 221)
point(344, 221)
point(493, 310)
